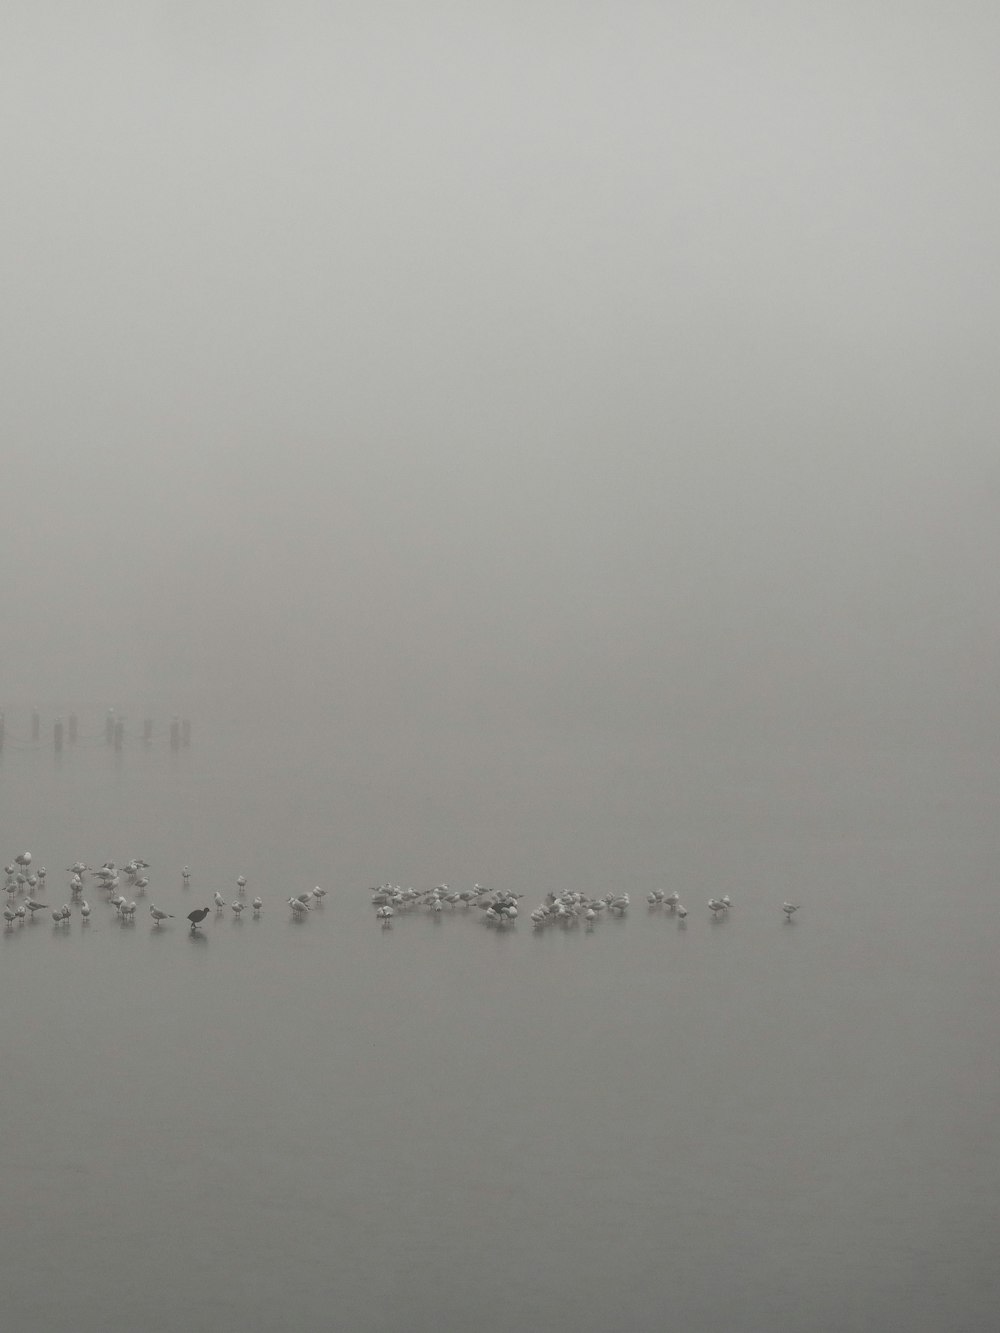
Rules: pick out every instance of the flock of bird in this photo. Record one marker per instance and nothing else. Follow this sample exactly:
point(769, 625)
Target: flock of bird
point(22, 884)
point(500, 907)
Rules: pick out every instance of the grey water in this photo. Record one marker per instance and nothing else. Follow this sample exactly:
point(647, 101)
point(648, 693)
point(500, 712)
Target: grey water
point(745, 1124)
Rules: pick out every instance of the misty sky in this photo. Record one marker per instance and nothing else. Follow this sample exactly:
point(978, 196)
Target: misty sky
point(578, 359)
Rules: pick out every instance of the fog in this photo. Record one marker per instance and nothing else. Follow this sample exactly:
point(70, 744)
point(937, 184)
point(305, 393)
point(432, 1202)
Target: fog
point(561, 365)
point(547, 446)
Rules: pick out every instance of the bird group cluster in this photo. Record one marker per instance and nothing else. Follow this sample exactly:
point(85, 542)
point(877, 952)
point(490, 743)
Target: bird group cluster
point(569, 908)
point(22, 884)
point(499, 905)
point(387, 898)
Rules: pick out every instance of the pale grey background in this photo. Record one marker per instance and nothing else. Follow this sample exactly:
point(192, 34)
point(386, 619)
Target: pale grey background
point(546, 445)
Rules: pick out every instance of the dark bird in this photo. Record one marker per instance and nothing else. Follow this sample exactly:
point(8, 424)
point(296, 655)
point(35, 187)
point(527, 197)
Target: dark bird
point(197, 917)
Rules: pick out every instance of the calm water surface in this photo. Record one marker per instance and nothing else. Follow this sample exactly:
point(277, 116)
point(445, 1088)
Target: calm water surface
point(744, 1125)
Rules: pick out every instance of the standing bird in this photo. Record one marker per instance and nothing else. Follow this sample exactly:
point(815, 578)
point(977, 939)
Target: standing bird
point(788, 909)
point(299, 908)
point(241, 883)
point(159, 916)
point(85, 910)
point(237, 907)
point(220, 902)
point(682, 912)
point(319, 894)
point(10, 916)
point(257, 905)
point(198, 916)
point(186, 876)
